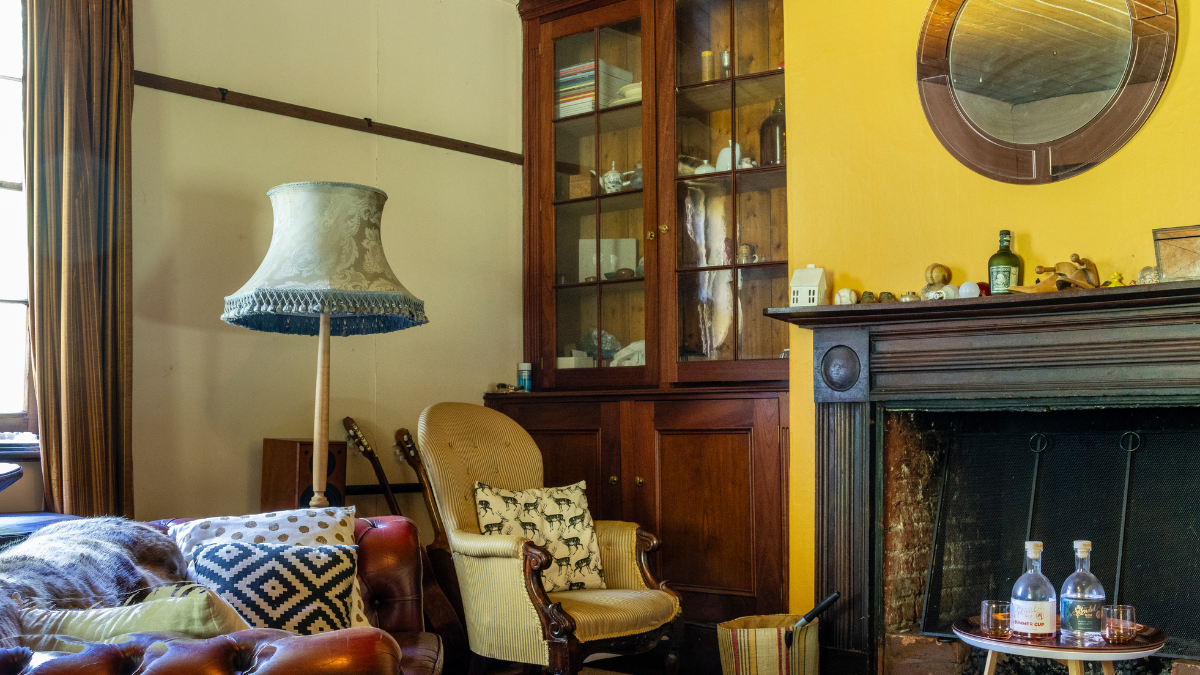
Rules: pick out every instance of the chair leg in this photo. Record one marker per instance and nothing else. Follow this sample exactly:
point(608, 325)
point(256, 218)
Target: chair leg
point(671, 659)
point(479, 664)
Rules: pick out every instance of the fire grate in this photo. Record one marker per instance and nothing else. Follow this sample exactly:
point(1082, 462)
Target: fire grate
point(1128, 480)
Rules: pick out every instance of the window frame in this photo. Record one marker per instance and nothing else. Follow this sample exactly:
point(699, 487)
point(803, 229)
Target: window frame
point(26, 421)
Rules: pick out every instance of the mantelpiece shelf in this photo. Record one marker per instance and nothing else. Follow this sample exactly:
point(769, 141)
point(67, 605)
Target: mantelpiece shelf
point(1009, 306)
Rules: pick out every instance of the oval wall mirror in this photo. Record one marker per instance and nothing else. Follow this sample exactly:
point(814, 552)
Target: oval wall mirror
point(1036, 91)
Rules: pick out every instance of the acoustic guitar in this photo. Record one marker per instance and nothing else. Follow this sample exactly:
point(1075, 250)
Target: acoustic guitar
point(440, 615)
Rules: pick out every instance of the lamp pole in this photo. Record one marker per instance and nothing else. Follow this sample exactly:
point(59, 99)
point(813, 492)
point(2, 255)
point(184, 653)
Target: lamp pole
point(321, 416)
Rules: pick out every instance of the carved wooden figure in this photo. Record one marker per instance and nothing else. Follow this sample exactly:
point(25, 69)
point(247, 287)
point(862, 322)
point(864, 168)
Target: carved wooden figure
point(1079, 273)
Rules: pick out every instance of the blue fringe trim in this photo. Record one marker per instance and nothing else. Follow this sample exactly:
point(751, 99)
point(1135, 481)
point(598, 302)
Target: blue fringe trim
point(297, 312)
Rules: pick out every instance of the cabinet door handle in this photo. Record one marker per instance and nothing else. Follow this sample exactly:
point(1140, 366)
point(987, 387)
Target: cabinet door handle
point(640, 481)
point(612, 480)
point(663, 228)
point(650, 234)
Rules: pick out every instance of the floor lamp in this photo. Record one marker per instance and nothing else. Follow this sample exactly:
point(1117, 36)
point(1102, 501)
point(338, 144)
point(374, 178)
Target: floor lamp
point(324, 274)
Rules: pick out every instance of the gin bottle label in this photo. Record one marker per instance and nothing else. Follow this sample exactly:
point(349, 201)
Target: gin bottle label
point(1084, 615)
point(1034, 617)
point(1002, 276)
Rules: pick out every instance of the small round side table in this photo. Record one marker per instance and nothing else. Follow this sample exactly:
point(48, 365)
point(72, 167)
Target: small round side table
point(1147, 642)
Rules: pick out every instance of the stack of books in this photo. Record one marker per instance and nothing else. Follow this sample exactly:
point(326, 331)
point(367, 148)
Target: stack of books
point(575, 87)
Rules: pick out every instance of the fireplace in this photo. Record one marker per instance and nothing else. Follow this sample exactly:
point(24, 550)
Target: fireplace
point(949, 432)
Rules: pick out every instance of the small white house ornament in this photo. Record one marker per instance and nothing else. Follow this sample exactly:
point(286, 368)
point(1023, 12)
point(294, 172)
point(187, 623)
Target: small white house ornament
point(808, 287)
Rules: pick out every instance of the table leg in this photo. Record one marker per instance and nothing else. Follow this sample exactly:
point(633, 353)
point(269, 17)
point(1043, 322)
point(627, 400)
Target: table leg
point(1107, 666)
point(993, 658)
point(1074, 667)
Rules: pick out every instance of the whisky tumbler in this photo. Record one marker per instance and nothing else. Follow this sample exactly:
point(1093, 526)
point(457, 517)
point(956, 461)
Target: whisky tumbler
point(1120, 623)
point(994, 618)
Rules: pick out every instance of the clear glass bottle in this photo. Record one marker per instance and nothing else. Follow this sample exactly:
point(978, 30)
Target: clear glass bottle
point(1004, 267)
point(1034, 602)
point(1082, 598)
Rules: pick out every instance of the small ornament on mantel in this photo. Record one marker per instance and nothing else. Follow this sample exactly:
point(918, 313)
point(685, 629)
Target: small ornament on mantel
point(1147, 275)
point(910, 297)
point(868, 298)
point(808, 287)
point(969, 289)
point(1079, 273)
point(845, 296)
point(887, 296)
point(1115, 280)
point(937, 275)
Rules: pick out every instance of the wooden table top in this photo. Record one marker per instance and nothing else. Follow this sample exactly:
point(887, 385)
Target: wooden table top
point(1148, 641)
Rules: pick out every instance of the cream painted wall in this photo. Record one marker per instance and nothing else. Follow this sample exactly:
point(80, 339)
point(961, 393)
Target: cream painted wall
point(874, 197)
point(206, 393)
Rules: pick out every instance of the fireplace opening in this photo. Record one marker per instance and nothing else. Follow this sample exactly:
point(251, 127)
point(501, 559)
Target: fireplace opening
point(962, 490)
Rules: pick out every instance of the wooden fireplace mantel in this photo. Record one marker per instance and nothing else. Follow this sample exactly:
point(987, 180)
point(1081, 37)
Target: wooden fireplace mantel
point(1131, 346)
point(1029, 306)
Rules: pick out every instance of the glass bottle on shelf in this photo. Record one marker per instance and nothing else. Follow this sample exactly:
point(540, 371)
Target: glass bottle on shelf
point(1034, 602)
point(1082, 597)
point(772, 136)
point(1004, 267)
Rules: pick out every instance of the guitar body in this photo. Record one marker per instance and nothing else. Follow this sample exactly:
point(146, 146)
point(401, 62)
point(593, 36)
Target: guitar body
point(443, 617)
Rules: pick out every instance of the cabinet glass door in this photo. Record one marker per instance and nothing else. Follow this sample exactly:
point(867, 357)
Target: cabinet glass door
point(730, 180)
point(599, 210)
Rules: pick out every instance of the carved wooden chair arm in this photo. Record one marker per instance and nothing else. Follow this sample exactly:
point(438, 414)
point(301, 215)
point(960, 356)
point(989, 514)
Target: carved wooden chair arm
point(647, 543)
point(556, 624)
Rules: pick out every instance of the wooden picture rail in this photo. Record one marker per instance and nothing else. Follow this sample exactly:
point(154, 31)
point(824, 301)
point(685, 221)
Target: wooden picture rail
point(364, 124)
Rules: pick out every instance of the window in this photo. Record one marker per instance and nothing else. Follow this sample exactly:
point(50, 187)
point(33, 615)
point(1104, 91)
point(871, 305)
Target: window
point(14, 252)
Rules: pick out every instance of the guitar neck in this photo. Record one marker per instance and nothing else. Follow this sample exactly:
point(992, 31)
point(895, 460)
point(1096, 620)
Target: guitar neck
point(364, 446)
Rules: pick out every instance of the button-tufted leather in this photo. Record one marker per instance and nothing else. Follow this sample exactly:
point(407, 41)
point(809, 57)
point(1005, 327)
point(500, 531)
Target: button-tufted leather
point(359, 651)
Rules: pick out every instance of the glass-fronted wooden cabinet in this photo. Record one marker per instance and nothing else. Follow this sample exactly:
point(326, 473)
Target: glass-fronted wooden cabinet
point(656, 234)
point(656, 185)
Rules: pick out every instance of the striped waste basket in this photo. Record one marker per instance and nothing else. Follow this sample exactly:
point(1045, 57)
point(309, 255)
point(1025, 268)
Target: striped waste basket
point(754, 645)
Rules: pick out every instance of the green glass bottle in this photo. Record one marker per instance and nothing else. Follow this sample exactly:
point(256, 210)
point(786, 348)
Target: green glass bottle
point(1004, 267)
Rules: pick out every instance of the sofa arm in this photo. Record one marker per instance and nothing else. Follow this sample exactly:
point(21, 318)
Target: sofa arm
point(389, 573)
point(363, 651)
point(486, 545)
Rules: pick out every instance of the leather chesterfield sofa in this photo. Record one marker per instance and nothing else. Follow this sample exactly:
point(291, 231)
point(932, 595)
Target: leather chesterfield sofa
point(389, 573)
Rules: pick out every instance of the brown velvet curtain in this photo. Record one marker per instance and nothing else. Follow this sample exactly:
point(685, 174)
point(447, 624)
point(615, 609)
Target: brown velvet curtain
point(78, 103)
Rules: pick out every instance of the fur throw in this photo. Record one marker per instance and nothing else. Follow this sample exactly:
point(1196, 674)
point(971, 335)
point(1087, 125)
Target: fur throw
point(77, 564)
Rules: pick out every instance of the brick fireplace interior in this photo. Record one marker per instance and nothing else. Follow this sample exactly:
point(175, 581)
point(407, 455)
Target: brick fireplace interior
point(962, 489)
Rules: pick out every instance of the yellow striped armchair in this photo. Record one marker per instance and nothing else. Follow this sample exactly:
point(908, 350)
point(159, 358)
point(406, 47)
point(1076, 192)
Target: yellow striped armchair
point(509, 615)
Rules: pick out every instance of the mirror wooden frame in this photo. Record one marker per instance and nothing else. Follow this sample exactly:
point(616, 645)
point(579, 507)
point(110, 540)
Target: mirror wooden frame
point(1152, 54)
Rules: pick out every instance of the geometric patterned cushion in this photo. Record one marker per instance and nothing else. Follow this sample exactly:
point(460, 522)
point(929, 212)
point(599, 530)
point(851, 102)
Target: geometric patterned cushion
point(295, 588)
point(300, 527)
point(554, 518)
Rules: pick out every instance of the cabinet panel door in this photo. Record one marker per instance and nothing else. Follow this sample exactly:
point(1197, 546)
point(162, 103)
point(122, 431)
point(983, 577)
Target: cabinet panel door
point(579, 441)
point(713, 492)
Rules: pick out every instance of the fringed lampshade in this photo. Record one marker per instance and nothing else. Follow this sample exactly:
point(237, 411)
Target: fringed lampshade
point(324, 274)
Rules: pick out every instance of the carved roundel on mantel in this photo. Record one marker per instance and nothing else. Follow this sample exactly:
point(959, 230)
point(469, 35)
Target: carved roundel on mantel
point(840, 368)
point(1037, 91)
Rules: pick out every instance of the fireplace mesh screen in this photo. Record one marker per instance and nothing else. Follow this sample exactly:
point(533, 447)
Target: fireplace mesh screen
point(995, 489)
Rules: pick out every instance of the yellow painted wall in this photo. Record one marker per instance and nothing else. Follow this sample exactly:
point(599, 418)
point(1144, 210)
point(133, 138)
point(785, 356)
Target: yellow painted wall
point(874, 198)
point(206, 393)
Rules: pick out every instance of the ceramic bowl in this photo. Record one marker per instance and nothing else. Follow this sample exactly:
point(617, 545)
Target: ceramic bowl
point(630, 91)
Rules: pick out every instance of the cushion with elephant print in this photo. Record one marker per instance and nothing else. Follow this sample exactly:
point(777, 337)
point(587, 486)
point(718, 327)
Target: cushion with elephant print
point(554, 518)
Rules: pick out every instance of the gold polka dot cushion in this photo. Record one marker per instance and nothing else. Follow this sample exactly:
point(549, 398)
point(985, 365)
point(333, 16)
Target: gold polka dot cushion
point(303, 527)
point(555, 518)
